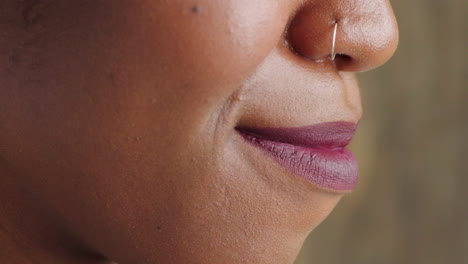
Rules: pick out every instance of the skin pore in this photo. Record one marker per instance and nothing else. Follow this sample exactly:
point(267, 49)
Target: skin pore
point(118, 117)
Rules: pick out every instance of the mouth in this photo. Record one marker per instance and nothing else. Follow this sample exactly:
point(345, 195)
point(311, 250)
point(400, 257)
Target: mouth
point(317, 153)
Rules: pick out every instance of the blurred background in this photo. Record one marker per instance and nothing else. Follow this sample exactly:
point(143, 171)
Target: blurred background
point(411, 205)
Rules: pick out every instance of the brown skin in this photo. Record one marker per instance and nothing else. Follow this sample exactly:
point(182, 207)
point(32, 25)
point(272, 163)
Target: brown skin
point(117, 119)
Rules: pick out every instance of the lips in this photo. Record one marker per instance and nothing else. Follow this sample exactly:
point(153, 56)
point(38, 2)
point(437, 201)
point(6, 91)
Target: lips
point(317, 153)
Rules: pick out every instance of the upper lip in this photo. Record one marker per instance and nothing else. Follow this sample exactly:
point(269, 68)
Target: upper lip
point(331, 135)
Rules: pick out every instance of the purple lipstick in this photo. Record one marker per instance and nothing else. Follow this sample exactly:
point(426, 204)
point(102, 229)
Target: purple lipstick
point(317, 153)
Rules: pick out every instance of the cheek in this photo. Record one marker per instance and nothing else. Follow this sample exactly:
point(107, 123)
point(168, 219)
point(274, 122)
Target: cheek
point(171, 62)
point(213, 46)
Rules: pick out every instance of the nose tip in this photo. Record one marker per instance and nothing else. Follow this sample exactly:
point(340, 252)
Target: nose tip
point(366, 36)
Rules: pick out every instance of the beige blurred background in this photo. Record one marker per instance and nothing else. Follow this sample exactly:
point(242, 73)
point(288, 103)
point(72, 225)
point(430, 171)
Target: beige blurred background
point(411, 205)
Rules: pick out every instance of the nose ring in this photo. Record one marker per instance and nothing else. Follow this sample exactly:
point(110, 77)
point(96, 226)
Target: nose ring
point(333, 54)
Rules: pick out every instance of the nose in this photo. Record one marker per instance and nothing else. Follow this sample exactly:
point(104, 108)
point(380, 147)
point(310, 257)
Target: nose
point(366, 35)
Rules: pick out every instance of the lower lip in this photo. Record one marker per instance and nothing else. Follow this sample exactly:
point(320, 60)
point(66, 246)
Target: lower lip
point(330, 168)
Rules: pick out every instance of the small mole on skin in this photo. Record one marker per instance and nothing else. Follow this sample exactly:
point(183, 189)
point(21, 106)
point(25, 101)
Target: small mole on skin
point(33, 11)
point(196, 9)
point(14, 58)
point(158, 228)
point(112, 79)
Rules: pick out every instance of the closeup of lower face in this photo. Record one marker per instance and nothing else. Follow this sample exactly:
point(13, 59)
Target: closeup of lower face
point(179, 131)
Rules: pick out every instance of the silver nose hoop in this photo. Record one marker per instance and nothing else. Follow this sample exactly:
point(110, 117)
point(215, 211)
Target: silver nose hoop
point(333, 54)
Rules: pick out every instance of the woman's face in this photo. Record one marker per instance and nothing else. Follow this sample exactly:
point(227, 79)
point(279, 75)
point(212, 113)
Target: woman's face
point(118, 119)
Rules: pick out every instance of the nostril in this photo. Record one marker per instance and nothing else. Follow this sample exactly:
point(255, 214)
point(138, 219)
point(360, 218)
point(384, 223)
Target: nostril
point(343, 61)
